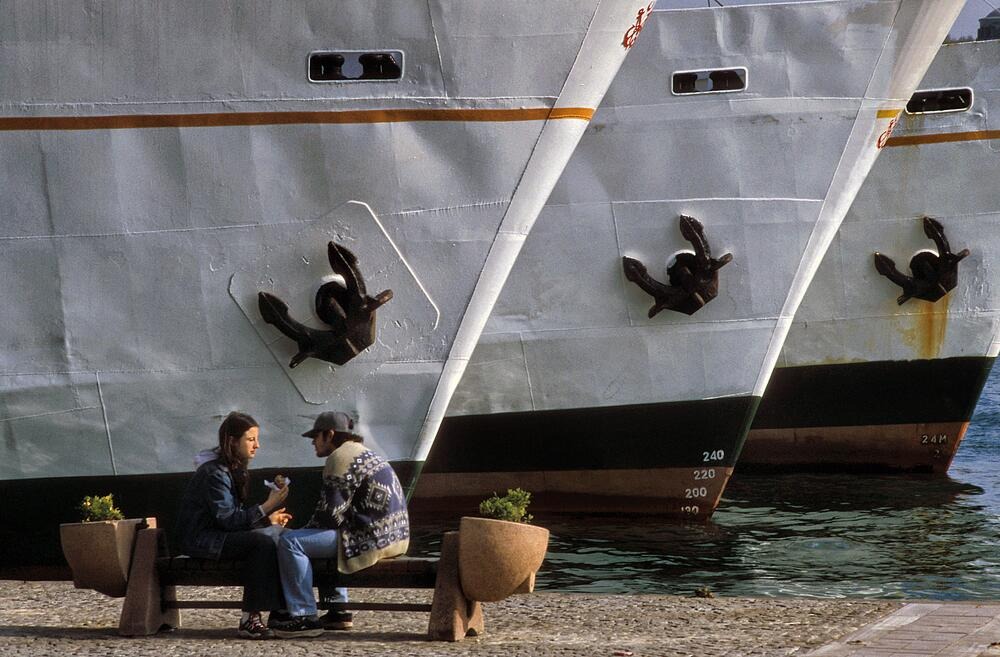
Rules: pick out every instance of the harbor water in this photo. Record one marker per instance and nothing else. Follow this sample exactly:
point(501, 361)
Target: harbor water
point(812, 535)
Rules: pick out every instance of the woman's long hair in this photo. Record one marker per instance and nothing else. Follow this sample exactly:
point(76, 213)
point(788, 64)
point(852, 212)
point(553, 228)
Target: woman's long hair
point(230, 431)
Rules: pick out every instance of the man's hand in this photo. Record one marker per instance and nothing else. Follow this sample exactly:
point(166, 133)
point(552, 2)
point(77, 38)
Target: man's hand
point(280, 517)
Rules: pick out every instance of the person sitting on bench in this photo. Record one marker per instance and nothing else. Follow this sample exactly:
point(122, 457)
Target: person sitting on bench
point(215, 522)
point(360, 517)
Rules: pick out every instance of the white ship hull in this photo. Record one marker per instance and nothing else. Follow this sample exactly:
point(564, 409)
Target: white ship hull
point(865, 383)
point(166, 163)
point(574, 392)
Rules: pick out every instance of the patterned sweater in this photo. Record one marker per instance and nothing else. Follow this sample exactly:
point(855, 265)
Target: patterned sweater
point(363, 499)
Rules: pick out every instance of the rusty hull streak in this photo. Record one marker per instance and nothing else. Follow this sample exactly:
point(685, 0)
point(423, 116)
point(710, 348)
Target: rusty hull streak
point(927, 332)
point(933, 327)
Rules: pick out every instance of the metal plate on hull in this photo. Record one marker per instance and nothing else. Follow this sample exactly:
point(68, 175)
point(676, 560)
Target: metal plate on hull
point(295, 264)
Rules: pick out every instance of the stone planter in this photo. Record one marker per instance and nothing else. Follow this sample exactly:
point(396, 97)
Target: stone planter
point(100, 553)
point(497, 558)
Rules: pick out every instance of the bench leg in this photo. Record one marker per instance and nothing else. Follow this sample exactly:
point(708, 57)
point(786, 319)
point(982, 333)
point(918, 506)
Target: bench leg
point(142, 611)
point(453, 616)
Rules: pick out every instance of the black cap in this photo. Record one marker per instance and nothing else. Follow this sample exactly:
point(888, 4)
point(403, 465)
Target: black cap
point(335, 420)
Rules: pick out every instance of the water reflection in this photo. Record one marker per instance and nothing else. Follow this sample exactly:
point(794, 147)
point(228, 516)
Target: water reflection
point(815, 535)
point(806, 535)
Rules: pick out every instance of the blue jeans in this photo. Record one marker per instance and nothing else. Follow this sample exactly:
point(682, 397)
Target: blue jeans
point(295, 548)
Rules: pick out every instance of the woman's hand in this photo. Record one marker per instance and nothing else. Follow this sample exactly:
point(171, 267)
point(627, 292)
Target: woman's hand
point(280, 517)
point(275, 500)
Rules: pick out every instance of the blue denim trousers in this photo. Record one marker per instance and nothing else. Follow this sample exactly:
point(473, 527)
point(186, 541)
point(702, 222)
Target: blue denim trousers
point(295, 548)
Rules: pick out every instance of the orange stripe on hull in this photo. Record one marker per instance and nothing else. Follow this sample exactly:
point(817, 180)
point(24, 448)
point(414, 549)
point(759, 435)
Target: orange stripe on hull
point(230, 119)
point(922, 447)
point(942, 138)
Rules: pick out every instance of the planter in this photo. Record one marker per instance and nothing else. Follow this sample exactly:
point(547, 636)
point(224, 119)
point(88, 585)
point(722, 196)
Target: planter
point(100, 553)
point(497, 558)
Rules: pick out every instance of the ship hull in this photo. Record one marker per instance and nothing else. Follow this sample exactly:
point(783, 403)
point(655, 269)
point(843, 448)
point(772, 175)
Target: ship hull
point(866, 383)
point(144, 219)
point(769, 174)
point(168, 163)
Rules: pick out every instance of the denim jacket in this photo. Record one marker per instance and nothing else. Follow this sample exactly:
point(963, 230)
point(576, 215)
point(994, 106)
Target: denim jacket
point(209, 510)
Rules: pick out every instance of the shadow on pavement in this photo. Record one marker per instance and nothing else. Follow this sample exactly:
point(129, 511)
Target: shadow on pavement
point(196, 634)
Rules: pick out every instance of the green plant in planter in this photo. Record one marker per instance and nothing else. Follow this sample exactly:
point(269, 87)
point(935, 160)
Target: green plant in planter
point(99, 507)
point(512, 507)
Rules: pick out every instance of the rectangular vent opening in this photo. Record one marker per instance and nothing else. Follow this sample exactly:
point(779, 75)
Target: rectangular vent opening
point(939, 101)
point(355, 66)
point(709, 81)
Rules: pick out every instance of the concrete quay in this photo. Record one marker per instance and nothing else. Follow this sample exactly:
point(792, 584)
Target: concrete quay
point(53, 618)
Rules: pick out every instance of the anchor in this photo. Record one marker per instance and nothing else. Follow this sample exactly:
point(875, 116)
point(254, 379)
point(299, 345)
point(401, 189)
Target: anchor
point(694, 277)
point(934, 274)
point(346, 308)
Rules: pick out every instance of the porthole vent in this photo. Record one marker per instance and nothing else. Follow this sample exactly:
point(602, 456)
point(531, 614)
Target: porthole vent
point(939, 101)
point(355, 66)
point(709, 81)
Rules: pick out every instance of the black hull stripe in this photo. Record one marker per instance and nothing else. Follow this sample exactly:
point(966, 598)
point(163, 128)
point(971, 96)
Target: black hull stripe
point(666, 435)
point(883, 392)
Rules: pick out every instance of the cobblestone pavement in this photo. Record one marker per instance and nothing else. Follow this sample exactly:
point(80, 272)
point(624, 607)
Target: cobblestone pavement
point(53, 618)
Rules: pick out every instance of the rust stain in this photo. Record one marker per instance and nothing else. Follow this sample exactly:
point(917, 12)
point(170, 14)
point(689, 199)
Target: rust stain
point(934, 325)
point(927, 333)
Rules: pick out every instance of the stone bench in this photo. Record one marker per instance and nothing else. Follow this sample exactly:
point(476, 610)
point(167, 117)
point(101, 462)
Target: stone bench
point(151, 602)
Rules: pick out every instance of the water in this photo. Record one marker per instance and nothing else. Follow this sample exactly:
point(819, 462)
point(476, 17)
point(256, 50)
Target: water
point(805, 535)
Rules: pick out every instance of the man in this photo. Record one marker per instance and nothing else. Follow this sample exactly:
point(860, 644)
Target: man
point(360, 518)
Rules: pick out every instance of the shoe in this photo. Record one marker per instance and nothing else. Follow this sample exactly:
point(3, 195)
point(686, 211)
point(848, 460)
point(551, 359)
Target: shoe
point(277, 617)
point(337, 620)
point(297, 627)
point(254, 628)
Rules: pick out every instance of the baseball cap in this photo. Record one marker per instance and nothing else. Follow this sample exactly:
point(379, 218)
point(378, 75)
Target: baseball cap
point(335, 420)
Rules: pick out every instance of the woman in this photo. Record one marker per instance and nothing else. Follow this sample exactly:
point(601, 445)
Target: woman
point(215, 521)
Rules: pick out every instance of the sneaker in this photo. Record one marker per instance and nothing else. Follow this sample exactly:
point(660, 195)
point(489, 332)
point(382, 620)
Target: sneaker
point(296, 627)
point(254, 628)
point(337, 620)
point(277, 617)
